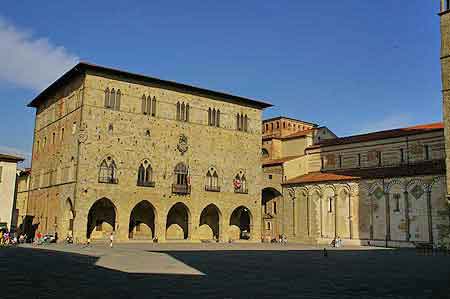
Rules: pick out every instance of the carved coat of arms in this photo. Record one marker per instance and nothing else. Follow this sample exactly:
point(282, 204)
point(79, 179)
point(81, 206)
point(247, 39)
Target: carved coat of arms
point(182, 144)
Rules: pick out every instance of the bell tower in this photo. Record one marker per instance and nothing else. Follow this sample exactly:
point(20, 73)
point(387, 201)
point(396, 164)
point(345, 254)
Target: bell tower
point(445, 76)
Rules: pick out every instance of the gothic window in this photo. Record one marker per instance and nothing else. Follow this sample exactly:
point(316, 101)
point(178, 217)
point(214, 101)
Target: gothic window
point(274, 207)
point(242, 122)
point(278, 125)
point(112, 99)
point(240, 183)
point(154, 106)
point(330, 205)
point(110, 128)
point(108, 172)
point(209, 117)
point(145, 175)
point(53, 138)
point(181, 174)
point(212, 180)
point(186, 119)
point(62, 135)
point(107, 97)
point(118, 97)
point(148, 105)
point(213, 117)
point(218, 118)
point(182, 112)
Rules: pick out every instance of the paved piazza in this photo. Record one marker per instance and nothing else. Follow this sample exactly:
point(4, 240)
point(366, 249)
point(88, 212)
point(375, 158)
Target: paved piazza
point(220, 271)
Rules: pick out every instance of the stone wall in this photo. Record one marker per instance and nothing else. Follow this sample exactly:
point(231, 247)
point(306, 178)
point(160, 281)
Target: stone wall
point(128, 137)
point(398, 211)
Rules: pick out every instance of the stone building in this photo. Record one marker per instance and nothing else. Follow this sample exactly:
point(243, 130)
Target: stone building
point(8, 168)
point(384, 188)
point(23, 179)
point(445, 76)
point(284, 142)
point(144, 157)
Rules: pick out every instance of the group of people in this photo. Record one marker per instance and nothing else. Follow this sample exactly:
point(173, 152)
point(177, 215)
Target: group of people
point(8, 238)
point(336, 242)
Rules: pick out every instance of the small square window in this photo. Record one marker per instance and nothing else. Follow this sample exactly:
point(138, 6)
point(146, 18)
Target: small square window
point(270, 176)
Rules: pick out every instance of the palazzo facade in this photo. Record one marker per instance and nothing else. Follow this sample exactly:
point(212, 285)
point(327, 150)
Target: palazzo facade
point(145, 158)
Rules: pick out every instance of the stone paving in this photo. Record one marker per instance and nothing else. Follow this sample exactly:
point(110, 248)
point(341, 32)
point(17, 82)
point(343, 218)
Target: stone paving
point(220, 271)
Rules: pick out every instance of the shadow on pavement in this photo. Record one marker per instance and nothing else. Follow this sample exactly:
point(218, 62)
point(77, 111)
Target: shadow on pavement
point(32, 273)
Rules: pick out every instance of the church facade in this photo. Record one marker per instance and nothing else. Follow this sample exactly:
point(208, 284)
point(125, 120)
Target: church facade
point(144, 158)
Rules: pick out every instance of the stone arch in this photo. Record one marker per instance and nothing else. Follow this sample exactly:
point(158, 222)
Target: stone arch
point(143, 220)
point(178, 222)
point(210, 223)
point(101, 219)
point(394, 182)
point(241, 223)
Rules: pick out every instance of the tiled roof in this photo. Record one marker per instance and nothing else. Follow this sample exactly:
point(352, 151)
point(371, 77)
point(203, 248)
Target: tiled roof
point(280, 161)
point(424, 168)
point(382, 135)
point(299, 134)
point(10, 158)
point(291, 136)
point(82, 67)
point(289, 118)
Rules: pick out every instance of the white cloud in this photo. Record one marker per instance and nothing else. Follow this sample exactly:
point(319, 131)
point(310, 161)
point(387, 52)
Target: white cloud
point(29, 61)
point(393, 121)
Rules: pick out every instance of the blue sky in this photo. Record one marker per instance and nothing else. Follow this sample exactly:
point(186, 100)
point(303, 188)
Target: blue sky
point(352, 65)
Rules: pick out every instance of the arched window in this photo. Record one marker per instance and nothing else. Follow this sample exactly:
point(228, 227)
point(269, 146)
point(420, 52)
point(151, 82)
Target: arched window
point(209, 117)
point(240, 183)
point(108, 172)
point(183, 111)
point(246, 123)
point(117, 103)
point(213, 117)
point(212, 180)
point(186, 119)
point(181, 174)
point(145, 175)
point(218, 118)
point(107, 97)
point(264, 153)
point(112, 99)
point(154, 106)
point(178, 111)
point(238, 122)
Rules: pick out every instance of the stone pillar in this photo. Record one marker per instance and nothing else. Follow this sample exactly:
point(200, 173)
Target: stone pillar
point(308, 220)
point(320, 215)
point(371, 216)
point(350, 229)
point(408, 234)
point(388, 216)
point(335, 197)
point(430, 216)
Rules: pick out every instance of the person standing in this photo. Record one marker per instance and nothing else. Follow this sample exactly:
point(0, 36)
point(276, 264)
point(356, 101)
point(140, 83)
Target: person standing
point(111, 240)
